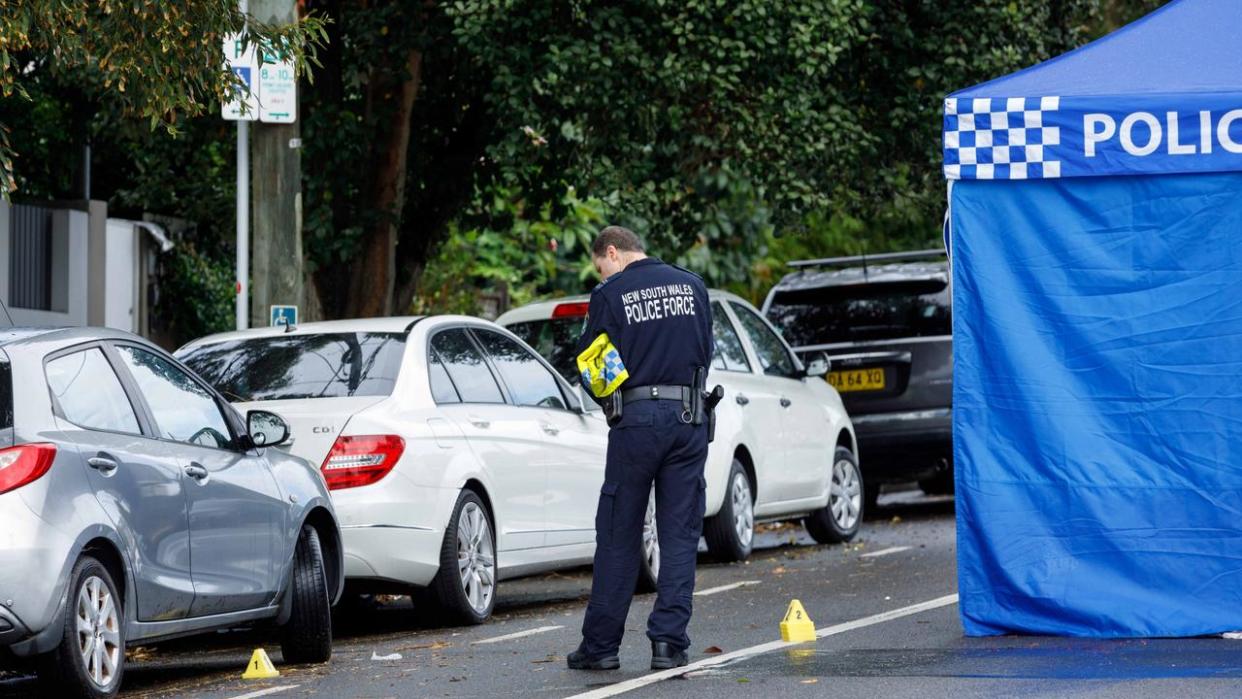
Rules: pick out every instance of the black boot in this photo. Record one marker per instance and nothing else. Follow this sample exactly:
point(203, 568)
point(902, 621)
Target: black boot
point(579, 660)
point(666, 657)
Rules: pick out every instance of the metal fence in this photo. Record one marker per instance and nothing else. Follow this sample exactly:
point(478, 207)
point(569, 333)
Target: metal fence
point(30, 257)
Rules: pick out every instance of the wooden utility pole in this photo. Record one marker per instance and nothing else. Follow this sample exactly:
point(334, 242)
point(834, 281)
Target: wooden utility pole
point(276, 185)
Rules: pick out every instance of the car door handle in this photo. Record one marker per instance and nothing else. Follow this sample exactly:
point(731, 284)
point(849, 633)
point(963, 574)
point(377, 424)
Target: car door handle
point(785, 402)
point(551, 429)
point(104, 464)
point(742, 399)
point(479, 422)
point(197, 472)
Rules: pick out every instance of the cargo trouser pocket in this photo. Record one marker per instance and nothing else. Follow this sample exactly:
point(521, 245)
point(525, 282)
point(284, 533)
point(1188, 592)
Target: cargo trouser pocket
point(604, 514)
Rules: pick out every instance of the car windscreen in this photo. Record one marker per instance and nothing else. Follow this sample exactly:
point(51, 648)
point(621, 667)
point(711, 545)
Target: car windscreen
point(555, 340)
point(860, 312)
point(285, 367)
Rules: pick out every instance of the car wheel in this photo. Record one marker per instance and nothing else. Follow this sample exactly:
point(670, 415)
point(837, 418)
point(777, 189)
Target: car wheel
point(307, 636)
point(90, 658)
point(841, 519)
point(465, 586)
point(649, 573)
point(731, 532)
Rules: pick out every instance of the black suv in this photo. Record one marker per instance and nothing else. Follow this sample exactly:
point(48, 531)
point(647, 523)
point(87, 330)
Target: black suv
point(885, 322)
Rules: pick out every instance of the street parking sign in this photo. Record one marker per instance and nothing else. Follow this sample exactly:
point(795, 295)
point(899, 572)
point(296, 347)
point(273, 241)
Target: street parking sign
point(245, 64)
point(278, 87)
point(284, 315)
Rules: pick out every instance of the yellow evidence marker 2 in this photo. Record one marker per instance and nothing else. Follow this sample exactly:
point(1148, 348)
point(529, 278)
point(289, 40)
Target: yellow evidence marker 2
point(260, 667)
point(797, 627)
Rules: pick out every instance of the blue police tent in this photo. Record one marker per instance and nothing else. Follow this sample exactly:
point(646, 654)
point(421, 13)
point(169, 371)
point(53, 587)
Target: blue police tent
point(1095, 231)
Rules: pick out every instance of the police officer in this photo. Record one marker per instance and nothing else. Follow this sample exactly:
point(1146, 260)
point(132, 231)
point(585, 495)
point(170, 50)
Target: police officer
point(658, 318)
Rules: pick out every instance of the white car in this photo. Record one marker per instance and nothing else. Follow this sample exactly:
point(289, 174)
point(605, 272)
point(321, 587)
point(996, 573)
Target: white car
point(455, 455)
point(784, 447)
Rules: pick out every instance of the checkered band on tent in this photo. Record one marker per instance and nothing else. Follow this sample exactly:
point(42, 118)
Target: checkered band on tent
point(1000, 139)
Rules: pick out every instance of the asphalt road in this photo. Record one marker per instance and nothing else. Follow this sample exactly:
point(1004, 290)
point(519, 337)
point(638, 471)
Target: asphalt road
point(905, 556)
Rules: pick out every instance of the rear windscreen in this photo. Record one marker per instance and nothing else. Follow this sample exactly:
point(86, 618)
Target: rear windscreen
point(328, 365)
point(859, 312)
point(555, 339)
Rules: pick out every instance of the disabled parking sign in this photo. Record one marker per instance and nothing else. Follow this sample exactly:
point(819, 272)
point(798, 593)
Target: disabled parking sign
point(284, 315)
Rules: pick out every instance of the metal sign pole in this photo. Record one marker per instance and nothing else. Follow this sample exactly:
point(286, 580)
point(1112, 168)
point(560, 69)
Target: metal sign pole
point(243, 215)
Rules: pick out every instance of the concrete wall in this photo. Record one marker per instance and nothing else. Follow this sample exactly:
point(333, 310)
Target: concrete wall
point(70, 255)
point(121, 276)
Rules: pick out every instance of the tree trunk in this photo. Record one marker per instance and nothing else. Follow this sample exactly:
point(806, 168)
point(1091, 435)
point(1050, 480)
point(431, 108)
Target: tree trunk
point(373, 273)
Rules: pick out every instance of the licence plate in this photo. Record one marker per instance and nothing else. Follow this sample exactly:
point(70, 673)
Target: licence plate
point(857, 380)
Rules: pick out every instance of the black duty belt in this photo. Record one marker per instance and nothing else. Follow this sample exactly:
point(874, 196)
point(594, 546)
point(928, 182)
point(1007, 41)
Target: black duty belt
point(677, 393)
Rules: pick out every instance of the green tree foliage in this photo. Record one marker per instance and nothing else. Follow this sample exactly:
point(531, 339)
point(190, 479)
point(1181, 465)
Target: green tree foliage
point(104, 73)
point(528, 254)
point(736, 133)
point(147, 59)
point(442, 139)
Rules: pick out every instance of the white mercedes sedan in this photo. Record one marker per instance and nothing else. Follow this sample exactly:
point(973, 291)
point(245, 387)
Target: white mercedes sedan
point(455, 455)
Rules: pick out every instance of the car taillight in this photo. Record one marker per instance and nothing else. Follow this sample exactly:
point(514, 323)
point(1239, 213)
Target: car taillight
point(24, 464)
point(363, 460)
point(570, 310)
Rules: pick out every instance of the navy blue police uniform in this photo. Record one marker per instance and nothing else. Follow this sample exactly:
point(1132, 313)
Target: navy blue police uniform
point(659, 318)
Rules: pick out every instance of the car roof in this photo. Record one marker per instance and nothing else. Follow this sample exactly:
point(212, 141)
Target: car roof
point(814, 278)
point(45, 340)
point(542, 310)
point(395, 324)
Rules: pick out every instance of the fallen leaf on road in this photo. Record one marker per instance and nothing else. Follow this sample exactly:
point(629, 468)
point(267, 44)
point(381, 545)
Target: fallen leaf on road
point(810, 681)
point(895, 520)
point(427, 646)
point(743, 680)
point(780, 570)
point(713, 649)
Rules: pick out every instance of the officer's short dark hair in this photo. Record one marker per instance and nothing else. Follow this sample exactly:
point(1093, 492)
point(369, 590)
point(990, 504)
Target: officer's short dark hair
point(623, 239)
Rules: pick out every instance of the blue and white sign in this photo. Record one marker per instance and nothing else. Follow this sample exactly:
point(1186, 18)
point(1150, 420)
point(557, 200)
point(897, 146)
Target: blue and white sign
point(244, 62)
point(284, 315)
point(1016, 138)
point(1160, 96)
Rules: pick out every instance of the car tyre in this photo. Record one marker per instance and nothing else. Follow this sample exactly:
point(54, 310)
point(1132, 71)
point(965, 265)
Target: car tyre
point(649, 572)
point(730, 533)
point(89, 660)
point(465, 586)
point(842, 518)
point(307, 636)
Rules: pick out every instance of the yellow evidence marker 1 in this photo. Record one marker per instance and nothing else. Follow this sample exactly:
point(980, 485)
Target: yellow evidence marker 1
point(797, 627)
point(260, 667)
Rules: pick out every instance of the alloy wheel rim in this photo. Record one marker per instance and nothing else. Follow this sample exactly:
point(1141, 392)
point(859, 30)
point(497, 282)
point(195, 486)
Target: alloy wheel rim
point(476, 557)
point(98, 631)
point(743, 510)
point(845, 494)
point(651, 541)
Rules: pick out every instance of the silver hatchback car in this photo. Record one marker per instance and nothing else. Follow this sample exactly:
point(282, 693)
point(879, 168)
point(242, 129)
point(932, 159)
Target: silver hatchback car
point(137, 505)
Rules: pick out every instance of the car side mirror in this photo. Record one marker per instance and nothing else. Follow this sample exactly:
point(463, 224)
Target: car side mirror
point(266, 429)
point(819, 365)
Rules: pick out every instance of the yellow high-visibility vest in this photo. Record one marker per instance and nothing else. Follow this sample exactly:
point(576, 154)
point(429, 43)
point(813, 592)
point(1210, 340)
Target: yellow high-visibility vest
point(601, 367)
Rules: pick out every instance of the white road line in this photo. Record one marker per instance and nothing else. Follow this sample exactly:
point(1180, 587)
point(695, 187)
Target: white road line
point(638, 682)
point(265, 692)
point(519, 634)
point(725, 588)
point(885, 552)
